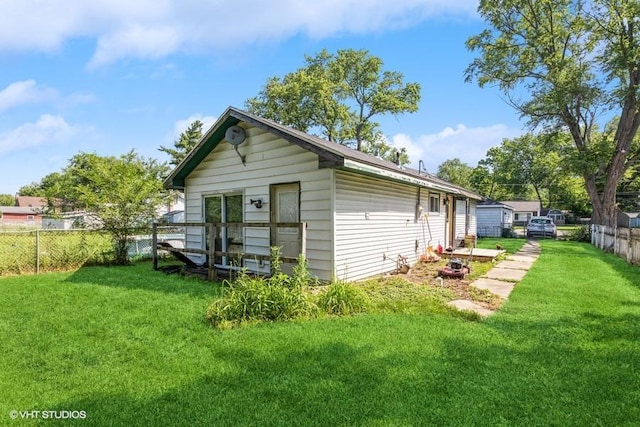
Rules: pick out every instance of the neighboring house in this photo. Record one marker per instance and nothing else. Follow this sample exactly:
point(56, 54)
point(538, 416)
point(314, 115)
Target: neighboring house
point(20, 216)
point(31, 202)
point(555, 214)
point(175, 204)
point(361, 212)
point(628, 219)
point(523, 210)
point(70, 221)
point(495, 219)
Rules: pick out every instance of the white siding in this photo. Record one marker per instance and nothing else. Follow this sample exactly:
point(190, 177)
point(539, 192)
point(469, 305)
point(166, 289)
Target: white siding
point(433, 226)
point(473, 217)
point(461, 218)
point(375, 221)
point(491, 220)
point(269, 160)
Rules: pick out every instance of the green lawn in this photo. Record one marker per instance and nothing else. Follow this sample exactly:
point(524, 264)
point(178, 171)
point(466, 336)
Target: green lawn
point(130, 346)
point(510, 245)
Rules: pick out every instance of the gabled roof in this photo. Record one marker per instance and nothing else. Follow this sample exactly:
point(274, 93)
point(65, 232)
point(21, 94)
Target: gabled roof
point(523, 205)
point(487, 202)
point(329, 153)
point(19, 210)
point(31, 201)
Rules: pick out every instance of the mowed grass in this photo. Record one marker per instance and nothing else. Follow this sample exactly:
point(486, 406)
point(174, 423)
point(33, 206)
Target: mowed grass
point(130, 346)
point(510, 245)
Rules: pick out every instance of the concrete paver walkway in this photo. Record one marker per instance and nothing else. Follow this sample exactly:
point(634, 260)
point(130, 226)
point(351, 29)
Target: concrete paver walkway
point(501, 279)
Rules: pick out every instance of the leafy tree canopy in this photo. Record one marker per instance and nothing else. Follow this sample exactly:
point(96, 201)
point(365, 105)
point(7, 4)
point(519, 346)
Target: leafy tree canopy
point(121, 193)
point(339, 95)
point(7, 200)
point(561, 64)
point(456, 172)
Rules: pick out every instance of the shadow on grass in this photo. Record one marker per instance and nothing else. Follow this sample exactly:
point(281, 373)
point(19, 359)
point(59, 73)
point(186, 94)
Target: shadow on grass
point(142, 276)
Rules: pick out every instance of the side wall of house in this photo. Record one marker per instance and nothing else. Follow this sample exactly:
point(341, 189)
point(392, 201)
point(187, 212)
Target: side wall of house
point(490, 221)
point(269, 160)
point(473, 217)
point(376, 221)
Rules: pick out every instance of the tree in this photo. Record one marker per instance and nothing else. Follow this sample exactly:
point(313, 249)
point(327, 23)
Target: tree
point(575, 59)
point(185, 143)
point(7, 200)
point(339, 95)
point(456, 172)
point(122, 193)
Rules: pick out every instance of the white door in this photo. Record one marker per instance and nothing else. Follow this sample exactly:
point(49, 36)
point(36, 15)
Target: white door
point(286, 208)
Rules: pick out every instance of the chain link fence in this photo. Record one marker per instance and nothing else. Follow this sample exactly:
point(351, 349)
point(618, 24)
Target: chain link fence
point(43, 251)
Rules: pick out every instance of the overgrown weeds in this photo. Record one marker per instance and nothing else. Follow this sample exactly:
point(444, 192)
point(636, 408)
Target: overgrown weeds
point(251, 299)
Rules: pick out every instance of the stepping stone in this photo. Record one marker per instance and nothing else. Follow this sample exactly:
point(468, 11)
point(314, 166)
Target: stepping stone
point(508, 274)
point(522, 258)
point(516, 265)
point(497, 287)
point(463, 304)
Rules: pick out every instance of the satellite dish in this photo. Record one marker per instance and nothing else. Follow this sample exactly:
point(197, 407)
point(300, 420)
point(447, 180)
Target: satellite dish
point(235, 135)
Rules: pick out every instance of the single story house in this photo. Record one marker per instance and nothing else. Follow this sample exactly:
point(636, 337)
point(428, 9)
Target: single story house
point(495, 219)
point(20, 216)
point(523, 210)
point(352, 214)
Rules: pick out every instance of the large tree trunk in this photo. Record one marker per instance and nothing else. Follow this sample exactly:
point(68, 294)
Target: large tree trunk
point(603, 203)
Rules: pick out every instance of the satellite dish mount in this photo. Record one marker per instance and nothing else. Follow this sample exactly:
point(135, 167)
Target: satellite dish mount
point(235, 135)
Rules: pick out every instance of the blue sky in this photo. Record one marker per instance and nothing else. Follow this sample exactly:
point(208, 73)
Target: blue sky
point(108, 76)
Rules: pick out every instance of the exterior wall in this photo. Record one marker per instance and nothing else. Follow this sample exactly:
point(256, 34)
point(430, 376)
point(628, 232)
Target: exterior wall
point(473, 217)
point(375, 222)
point(461, 218)
point(30, 220)
point(434, 226)
point(269, 160)
point(492, 219)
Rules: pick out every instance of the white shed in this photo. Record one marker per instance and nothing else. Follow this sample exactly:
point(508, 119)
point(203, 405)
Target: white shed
point(360, 212)
point(494, 218)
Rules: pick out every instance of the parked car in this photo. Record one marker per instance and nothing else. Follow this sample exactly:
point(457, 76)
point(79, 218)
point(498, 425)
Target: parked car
point(541, 226)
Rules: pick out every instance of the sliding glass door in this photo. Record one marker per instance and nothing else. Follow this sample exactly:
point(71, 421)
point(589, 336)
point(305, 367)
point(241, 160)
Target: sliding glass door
point(226, 208)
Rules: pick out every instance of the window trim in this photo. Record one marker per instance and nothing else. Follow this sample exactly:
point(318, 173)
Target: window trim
point(434, 197)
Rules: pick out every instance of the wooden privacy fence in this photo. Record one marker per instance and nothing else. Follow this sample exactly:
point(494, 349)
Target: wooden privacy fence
point(624, 242)
point(210, 234)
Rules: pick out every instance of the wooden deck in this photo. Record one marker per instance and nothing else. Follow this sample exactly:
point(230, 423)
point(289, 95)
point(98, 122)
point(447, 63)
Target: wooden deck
point(479, 254)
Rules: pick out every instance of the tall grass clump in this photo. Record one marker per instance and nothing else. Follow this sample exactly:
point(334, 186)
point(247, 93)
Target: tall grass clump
point(342, 298)
point(250, 299)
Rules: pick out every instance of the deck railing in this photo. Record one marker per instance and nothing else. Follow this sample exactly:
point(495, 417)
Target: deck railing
point(213, 251)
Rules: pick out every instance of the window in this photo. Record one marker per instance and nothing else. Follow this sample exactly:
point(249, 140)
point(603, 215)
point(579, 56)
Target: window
point(434, 203)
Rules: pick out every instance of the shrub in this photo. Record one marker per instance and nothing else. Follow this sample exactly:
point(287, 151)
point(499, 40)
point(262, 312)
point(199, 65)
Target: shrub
point(343, 299)
point(582, 234)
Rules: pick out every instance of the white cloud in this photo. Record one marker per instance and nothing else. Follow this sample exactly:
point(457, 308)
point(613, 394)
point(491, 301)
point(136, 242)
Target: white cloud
point(157, 28)
point(467, 144)
point(24, 92)
point(136, 41)
point(47, 130)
